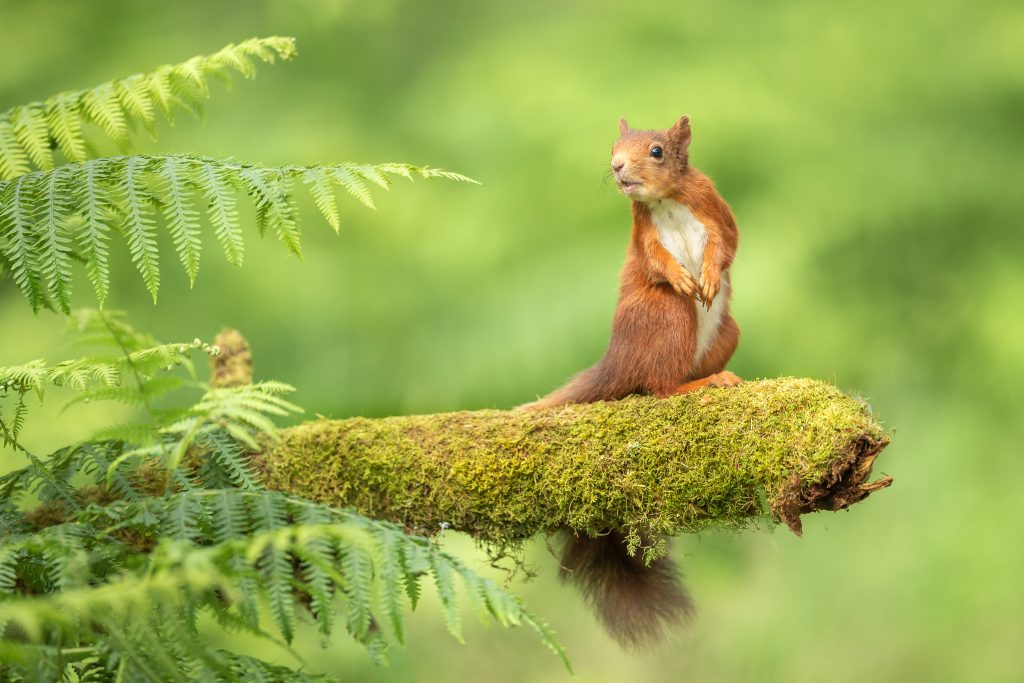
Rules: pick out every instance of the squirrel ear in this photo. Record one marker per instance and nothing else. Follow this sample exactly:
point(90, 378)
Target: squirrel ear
point(680, 132)
point(623, 126)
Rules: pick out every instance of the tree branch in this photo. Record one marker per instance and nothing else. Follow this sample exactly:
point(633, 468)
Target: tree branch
point(777, 448)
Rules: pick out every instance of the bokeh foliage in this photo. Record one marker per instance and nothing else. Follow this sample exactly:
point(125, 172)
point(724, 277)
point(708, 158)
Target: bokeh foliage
point(871, 153)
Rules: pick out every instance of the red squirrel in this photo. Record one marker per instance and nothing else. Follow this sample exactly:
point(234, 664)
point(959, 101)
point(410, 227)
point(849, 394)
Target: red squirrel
point(672, 334)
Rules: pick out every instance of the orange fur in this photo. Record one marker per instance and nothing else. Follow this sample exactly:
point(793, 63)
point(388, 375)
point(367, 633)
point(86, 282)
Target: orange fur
point(653, 350)
point(653, 344)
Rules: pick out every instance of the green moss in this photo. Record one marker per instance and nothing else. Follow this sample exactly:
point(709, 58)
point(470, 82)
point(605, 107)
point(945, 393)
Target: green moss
point(642, 465)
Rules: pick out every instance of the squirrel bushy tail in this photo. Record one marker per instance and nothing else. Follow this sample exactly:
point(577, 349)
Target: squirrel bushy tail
point(636, 603)
point(593, 384)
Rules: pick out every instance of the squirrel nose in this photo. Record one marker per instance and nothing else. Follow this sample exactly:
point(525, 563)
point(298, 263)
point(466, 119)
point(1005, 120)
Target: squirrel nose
point(617, 165)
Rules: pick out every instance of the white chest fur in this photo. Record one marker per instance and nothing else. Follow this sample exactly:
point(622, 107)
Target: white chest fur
point(685, 238)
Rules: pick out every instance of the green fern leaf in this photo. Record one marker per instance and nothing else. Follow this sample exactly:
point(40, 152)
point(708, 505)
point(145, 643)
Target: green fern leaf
point(31, 376)
point(94, 200)
point(357, 570)
point(133, 94)
point(427, 172)
point(321, 188)
point(230, 460)
point(50, 487)
point(268, 512)
point(19, 244)
point(10, 555)
point(229, 511)
point(269, 189)
point(127, 189)
point(266, 49)
point(407, 171)
point(121, 104)
point(182, 219)
point(353, 184)
point(444, 581)
point(34, 135)
point(547, 637)
point(102, 106)
point(161, 92)
point(317, 583)
point(411, 573)
point(64, 117)
point(219, 192)
point(180, 519)
point(82, 374)
point(139, 227)
point(187, 95)
point(13, 160)
point(17, 421)
point(391, 582)
point(54, 244)
point(237, 59)
point(194, 71)
point(96, 461)
point(370, 173)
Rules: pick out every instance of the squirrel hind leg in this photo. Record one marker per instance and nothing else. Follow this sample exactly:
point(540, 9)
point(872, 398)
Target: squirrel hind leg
point(637, 604)
point(718, 379)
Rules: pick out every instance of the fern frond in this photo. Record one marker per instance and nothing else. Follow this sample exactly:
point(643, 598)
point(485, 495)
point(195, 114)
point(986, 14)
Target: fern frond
point(118, 105)
point(107, 329)
point(13, 159)
point(159, 83)
point(148, 368)
point(34, 135)
point(427, 172)
point(54, 245)
point(269, 188)
point(83, 374)
point(133, 95)
point(102, 106)
point(322, 190)
point(140, 229)
point(31, 376)
point(243, 412)
point(409, 171)
point(18, 239)
point(64, 119)
point(96, 208)
point(353, 184)
point(118, 195)
point(218, 188)
point(338, 552)
point(227, 464)
point(225, 551)
point(444, 582)
point(182, 219)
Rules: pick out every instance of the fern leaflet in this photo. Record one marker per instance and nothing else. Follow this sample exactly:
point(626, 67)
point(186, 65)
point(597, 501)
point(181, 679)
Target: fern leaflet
point(120, 195)
point(118, 105)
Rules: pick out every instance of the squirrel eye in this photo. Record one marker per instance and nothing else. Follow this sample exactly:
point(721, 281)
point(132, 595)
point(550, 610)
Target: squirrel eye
point(656, 152)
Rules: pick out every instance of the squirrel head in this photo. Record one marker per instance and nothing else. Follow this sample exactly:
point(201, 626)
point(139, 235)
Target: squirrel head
point(649, 164)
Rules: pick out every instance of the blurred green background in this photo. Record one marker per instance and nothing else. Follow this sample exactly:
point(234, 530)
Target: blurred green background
point(872, 154)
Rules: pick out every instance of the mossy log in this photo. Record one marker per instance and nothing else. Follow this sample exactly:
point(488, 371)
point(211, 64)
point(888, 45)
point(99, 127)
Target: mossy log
point(772, 449)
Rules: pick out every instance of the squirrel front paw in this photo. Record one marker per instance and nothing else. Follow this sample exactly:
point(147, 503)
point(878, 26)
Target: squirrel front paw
point(710, 284)
point(684, 284)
